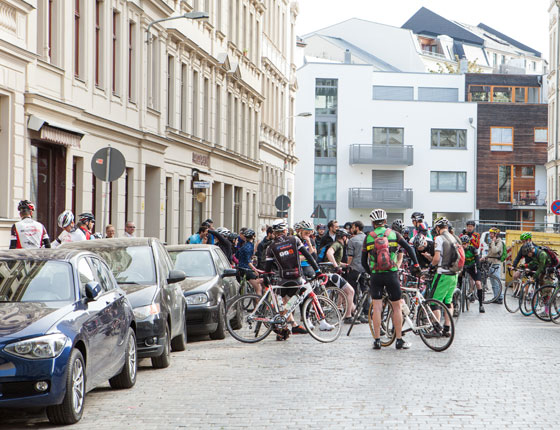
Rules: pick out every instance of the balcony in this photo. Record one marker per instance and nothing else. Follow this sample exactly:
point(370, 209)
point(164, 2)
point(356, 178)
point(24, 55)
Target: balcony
point(528, 200)
point(382, 154)
point(368, 198)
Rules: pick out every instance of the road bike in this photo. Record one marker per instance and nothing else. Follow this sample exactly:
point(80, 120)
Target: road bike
point(514, 290)
point(263, 314)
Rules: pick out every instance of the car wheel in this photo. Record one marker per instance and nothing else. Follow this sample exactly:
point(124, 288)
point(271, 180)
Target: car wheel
point(164, 360)
point(179, 343)
point(127, 377)
point(220, 332)
point(237, 321)
point(72, 407)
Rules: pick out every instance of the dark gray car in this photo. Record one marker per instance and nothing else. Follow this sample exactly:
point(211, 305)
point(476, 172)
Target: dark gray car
point(144, 270)
point(210, 283)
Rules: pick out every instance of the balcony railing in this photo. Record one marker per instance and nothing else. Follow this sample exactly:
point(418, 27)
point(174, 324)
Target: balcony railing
point(528, 198)
point(368, 198)
point(382, 154)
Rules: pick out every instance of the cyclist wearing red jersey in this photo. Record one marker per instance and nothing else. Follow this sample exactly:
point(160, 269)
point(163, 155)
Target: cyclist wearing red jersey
point(28, 233)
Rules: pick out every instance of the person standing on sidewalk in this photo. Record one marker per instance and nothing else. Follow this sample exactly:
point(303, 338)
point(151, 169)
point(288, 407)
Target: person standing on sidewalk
point(28, 233)
point(355, 245)
point(494, 257)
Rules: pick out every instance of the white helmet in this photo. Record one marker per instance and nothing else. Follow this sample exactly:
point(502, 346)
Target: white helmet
point(222, 230)
point(65, 219)
point(279, 225)
point(378, 215)
point(297, 226)
point(306, 225)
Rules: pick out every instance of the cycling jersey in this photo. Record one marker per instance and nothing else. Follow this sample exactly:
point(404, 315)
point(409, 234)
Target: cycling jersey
point(29, 233)
point(68, 236)
point(82, 234)
point(475, 238)
point(284, 251)
point(244, 255)
point(422, 260)
point(471, 256)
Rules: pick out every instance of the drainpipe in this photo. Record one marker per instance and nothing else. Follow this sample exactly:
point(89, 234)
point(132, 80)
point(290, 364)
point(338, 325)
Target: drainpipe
point(471, 120)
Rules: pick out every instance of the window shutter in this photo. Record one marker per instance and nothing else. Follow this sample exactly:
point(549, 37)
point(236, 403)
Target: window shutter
point(431, 94)
point(388, 179)
point(393, 93)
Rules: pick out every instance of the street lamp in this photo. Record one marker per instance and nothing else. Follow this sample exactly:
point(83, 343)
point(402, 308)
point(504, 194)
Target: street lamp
point(188, 15)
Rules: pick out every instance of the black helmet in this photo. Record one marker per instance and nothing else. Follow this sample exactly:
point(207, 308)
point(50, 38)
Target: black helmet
point(471, 222)
point(527, 248)
point(249, 234)
point(25, 205)
point(398, 225)
point(86, 217)
point(417, 216)
point(342, 232)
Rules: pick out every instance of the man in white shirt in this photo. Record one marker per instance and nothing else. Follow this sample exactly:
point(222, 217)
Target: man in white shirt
point(129, 229)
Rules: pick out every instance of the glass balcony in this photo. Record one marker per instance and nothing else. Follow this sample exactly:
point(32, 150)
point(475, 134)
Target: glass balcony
point(382, 154)
point(369, 198)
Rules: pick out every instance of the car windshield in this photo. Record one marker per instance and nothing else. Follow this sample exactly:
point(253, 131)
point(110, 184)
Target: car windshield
point(130, 264)
point(194, 263)
point(35, 281)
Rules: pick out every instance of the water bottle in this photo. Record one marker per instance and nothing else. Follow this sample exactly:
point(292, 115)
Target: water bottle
point(280, 304)
point(405, 309)
point(291, 302)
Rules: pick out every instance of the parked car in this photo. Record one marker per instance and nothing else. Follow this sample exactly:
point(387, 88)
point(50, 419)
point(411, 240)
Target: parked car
point(209, 284)
point(65, 328)
point(144, 270)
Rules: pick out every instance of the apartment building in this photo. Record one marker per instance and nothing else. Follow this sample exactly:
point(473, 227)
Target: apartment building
point(182, 99)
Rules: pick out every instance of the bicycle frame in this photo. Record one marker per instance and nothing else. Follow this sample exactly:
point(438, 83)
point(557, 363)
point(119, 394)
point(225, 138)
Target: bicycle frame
point(418, 302)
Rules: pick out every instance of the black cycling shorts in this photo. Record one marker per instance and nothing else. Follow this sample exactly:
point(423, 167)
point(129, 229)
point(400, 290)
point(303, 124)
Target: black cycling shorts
point(249, 274)
point(475, 274)
point(388, 281)
point(289, 287)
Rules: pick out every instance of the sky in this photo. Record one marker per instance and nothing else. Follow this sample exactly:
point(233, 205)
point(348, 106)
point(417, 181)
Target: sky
point(523, 20)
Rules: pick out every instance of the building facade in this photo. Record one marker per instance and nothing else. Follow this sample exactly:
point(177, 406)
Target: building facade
point(404, 142)
point(553, 159)
point(183, 100)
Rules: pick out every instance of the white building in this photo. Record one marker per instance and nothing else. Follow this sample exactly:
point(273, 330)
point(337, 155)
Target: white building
point(187, 102)
point(400, 141)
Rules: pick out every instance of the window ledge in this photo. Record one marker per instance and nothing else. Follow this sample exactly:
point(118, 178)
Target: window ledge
point(47, 65)
point(153, 111)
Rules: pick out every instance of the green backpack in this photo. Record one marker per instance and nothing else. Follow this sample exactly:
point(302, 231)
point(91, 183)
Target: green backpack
point(504, 252)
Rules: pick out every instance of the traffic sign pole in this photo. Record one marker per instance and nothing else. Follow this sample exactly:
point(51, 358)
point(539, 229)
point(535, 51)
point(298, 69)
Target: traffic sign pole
point(107, 189)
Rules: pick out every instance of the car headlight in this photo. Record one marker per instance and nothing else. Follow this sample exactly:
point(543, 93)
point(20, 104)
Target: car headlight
point(197, 299)
point(145, 311)
point(49, 346)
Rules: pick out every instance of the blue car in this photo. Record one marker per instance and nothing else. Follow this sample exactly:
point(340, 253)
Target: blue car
point(65, 328)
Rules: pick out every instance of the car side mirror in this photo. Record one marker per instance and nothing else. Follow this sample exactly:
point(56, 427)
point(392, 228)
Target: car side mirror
point(229, 272)
point(176, 276)
point(93, 290)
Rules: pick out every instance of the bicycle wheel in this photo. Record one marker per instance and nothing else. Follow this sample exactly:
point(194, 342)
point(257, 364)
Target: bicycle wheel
point(457, 301)
point(430, 320)
point(465, 290)
point(387, 335)
point(339, 297)
point(255, 322)
point(526, 298)
point(555, 306)
point(490, 296)
point(317, 313)
point(541, 301)
point(511, 296)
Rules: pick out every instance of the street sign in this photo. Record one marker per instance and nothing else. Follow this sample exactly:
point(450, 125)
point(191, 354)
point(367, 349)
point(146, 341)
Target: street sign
point(555, 207)
point(282, 203)
point(108, 164)
point(318, 212)
point(201, 184)
point(281, 214)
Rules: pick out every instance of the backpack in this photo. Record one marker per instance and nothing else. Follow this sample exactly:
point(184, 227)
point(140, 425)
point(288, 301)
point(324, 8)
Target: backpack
point(503, 257)
point(321, 257)
point(554, 260)
point(380, 252)
point(455, 261)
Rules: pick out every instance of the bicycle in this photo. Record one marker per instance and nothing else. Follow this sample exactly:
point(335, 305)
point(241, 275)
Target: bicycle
point(488, 280)
point(513, 291)
point(362, 294)
point(331, 291)
point(526, 297)
point(262, 314)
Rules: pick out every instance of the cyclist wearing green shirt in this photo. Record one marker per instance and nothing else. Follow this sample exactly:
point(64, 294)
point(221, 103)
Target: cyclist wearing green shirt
point(540, 260)
point(374, 252)
point(471, 267)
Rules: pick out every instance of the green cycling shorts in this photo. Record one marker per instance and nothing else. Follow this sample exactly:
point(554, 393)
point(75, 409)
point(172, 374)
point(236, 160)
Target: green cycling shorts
point(443, 287)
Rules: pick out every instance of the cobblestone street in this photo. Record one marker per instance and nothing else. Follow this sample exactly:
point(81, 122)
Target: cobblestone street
point(501, 372)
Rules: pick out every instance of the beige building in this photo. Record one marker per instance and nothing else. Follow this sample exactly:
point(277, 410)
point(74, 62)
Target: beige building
point(552, 166)
point(201, 109)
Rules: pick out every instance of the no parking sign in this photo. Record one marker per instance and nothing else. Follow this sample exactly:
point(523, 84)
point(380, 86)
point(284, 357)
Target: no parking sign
point(555, 207)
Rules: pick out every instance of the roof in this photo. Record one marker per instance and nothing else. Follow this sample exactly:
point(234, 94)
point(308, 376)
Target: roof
point(509, 39)
point(430, 23)
point(189, 247)
point(39, 254)
point(109, 243)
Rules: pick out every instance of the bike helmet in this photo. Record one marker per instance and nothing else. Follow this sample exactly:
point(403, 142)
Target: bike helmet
point(471, 222)
point(297, 226)
point(398, 225)
point(223, 231)
point(495, 230)
point(422, 227)
point(249, 234)
point(342, 232)
point(86, 217)
point(417, 216)
point(377, 215)
point(232, 236)
point(65, 219)
point(306, 225)
point(526, 236)
point(465, 238)
point(24, 205)
point(527, 248)
point(441, 222)
point(279, 225)
point(420, 241)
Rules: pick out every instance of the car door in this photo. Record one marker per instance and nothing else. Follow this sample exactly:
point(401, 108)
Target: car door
point(172, 292)
point(95, 327)
point(115, 311)
point(228, 283)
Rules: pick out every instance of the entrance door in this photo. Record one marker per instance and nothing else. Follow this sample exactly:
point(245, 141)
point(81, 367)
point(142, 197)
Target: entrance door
point(527, 219)
point(48, 184)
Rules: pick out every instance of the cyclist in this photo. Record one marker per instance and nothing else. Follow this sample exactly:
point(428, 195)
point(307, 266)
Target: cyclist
point(245, 266)
point(86, 221)
point(540, 261)
point(334, 256)
point(354, 249)
point(419, 225)
point(494, 257)
point(327, 239)
point(304, 229)
point(28, 233)
point(69, 232)
point(473, 235)
point(399, 227)
point(472, 261)
point(261, 247)
point(526, 237)
point(220, 234)
point(424, 250)
point(283, 255)
point(379, 257)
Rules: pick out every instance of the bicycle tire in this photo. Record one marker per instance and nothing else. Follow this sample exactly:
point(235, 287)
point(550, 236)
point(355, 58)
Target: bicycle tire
point(466, 298)
point(487, 289)
point(387, 336)
point(250, 331)
point(358, 312)
point(511, 296)
point(525, 299)
point(312, 318)
point(426, 316)
point(339, 297)
point(539, 303)
point(457, 300)
point(555, 306)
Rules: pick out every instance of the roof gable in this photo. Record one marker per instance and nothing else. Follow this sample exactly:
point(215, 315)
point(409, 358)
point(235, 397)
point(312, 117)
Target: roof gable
point(509, 39)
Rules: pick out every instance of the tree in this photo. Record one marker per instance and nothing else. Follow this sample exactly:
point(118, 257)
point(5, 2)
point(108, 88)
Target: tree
point(451, 68)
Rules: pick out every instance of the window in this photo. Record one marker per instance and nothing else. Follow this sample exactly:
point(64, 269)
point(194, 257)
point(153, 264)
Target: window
point(85, 274)
point(183, 105)
point(393, 93)
point(502, 95)
point(77, 39)
point(504, 184)
point(325, 183)
point(170, 90)
point(206, 110)
point(116, 57)
point(388, 136)
point(448, 181)
point(103, 275)
point(218, 114)
point(533, 95)
point(98, 53)
point(153, 72)
point(479, 93)
point(387, 179)
point(131, 61)
point(520, 94)
point(495, 58)
point(430, 94)
point(449, 138)
point(326, 96)
point(325, 139)
point(195, 107)
point(501, 139)
point(526, 171)
point(541, 135)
